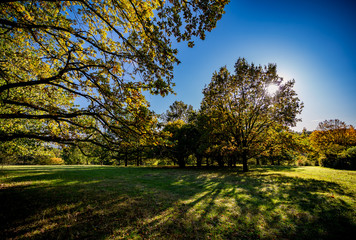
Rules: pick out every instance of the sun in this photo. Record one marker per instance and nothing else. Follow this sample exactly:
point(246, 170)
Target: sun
point(272, 89)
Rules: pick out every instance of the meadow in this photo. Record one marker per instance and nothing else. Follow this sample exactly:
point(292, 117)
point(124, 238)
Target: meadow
point(107, 202)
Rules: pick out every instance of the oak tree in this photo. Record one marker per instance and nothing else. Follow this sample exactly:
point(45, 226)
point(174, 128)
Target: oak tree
point(75, 71)
point(242, 109)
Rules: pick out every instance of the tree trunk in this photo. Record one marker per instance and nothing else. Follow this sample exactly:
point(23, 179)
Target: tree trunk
point(244, 161)
point(271, 156)
point(235, 160)
point(207, 161)
point(181, 162)
point(199, 160)
point(230, 161)
point(138, 159)
point(244, 156)
point(220, 161)
point(126, 159)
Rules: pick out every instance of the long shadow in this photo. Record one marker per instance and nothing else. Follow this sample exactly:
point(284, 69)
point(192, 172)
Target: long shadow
point(87, 203)
point(298, 208)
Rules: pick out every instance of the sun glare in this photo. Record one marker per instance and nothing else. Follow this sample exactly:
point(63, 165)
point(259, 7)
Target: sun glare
point(272, 89)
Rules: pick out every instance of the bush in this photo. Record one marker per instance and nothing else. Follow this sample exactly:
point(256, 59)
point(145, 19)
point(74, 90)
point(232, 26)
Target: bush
point(158, 162)
point(56, 161)
point(344, 160)
point(327, 161)
point(348, 158)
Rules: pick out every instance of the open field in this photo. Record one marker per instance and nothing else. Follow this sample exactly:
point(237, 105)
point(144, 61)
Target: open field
point(94, 202)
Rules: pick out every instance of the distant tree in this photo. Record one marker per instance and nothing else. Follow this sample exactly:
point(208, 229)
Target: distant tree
point(240, 106)
point(213, 143)
point(16, 151)
point(182, 141)
point(28, 151)
point(283, 145)
point(179, 111)
point(333, 136)
point(334, 143)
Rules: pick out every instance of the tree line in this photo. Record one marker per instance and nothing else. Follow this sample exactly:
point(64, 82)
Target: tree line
point(240, 121)
point(73, 76)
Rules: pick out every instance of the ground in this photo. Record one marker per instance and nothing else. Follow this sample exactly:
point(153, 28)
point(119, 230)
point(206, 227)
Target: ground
point(105, 202)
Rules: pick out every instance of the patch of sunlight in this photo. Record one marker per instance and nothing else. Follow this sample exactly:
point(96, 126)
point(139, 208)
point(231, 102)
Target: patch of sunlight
point(225, 202)
point(244, 197)
point(48, 219)
point(15, 184)
point(209, 176)
point(69, 183)
point(128, 232)
point(161, 218)
point(38, 232)
point(179, 182)
point(263, 208)
point(196, 198)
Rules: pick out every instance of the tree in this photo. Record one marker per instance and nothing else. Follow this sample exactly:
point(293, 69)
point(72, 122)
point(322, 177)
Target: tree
point(334, 143)
point(29, 151)
point(182, 141)
point(242, 109)
point(179, 111)
point(213, 143)
point(333, 136)
point(282, 144)
point(101, 54)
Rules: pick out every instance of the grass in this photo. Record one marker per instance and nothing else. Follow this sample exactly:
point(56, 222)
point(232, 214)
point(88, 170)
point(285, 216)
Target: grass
point(94, 202)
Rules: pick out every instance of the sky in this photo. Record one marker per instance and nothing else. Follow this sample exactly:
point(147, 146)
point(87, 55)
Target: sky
point(312, 41)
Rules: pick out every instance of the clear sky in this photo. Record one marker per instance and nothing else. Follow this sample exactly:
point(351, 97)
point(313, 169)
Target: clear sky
point(311, 41)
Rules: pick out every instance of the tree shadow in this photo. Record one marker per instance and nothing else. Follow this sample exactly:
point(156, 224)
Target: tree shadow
point(172, 204)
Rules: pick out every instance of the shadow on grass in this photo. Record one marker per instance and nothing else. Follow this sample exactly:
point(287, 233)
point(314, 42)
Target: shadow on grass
point(151, 203)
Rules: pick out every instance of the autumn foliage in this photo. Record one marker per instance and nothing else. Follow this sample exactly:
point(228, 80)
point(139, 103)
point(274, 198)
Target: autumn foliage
point(75, 72)
point(333, 141)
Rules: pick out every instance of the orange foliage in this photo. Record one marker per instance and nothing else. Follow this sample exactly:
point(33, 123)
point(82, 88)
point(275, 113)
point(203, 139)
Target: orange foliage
point(333, 140)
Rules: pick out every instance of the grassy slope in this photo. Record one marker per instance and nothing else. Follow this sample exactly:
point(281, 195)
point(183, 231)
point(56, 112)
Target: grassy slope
point(93, 202)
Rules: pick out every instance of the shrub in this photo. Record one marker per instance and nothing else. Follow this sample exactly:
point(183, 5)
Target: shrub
point(344, 160)
point(56, 161)
point(328, 160)
point(158, 162)
point(348, 158)
point(304, 161)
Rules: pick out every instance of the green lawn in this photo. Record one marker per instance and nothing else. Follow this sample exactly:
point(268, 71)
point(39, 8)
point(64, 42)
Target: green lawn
point(93, 202)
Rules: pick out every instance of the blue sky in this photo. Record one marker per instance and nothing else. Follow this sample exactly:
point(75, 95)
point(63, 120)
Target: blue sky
point(313, 42)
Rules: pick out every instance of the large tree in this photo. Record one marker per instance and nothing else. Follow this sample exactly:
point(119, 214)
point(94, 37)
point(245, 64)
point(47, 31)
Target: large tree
point(242, 108)
point(75, 71)
point(333, 136)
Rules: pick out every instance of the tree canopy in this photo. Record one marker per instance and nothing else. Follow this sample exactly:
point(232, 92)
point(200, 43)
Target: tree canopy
point(178, 111)
point(333, 136)
point(75, 71)
point(242, 110)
